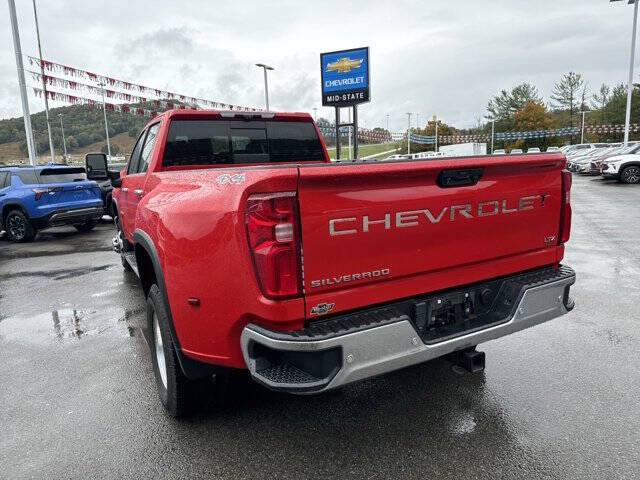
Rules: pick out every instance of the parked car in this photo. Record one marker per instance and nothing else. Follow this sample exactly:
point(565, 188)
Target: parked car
point(595, 166)
point(213, 210)
point(553, 149)
point(578, 162)
point(499, 151)
point(516, 150)
point(533, 150)
point(583, 148)
point(624, 168)
point(35, 198)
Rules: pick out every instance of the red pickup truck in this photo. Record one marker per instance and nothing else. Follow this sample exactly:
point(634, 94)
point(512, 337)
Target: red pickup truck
point(256, 252)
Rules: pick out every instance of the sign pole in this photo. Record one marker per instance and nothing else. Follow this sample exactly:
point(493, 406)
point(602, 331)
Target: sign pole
point(337, 133)
point(355, 132)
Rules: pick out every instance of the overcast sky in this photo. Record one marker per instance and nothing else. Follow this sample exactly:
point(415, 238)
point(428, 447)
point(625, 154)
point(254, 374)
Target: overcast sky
point(435, 57)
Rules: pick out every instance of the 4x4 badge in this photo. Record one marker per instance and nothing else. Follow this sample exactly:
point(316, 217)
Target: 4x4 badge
point(322, 308)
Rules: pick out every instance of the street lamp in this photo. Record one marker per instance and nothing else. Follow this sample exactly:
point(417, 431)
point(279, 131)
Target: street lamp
point(631, 62)
point(64, 142)
point(408, 133)
point(266, 85)
point(582, 128)
point(104, 110)
point(44, 86)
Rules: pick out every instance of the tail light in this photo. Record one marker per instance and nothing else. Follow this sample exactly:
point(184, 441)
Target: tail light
point(565, 209)
point(274, 239)
point(41, 191)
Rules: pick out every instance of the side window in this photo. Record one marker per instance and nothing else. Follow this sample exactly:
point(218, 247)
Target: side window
point(28, 177)
point(135, 155)
point(3, 180)
point(148, 148)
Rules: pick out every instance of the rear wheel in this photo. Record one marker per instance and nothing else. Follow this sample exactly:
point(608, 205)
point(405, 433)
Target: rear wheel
point(87, 226)
point(18, 227)
point(630, 174)
point(177, 393)
point(122, 243)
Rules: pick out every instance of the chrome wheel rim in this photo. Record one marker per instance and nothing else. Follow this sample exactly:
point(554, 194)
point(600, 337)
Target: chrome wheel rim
point(119, 237)
point(16, 227)
point(632, 174)
point(159, 348)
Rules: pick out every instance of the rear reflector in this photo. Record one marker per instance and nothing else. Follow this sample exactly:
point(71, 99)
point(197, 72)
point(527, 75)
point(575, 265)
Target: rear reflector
point(273, 231)
point(565, 209)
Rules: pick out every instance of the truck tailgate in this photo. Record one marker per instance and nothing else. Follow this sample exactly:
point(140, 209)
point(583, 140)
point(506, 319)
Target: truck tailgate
point(376, 232)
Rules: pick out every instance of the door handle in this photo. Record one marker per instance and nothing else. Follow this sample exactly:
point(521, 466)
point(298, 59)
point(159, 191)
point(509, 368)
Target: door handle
point(459, 177)
point(124, 189)
point(138, 192)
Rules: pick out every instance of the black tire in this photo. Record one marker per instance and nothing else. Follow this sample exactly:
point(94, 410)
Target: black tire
point(87, 226)
point(177, 393)
point(124, 244)
point(630, 174)
point(18, 227)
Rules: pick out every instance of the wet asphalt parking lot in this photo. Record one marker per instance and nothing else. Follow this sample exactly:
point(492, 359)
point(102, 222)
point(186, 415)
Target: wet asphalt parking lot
point(561, 400)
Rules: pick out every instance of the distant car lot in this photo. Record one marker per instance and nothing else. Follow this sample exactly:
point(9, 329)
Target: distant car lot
point(76, 369)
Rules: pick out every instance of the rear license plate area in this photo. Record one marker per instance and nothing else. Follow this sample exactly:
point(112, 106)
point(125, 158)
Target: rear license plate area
point(452, 313)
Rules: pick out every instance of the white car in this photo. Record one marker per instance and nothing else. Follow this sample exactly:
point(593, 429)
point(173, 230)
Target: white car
point(499, 151)
point(533, 150)
point(624, 168)
point(516, 150)
point(553, 149)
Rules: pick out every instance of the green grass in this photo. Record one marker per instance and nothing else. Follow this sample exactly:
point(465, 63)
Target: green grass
point(363, 150)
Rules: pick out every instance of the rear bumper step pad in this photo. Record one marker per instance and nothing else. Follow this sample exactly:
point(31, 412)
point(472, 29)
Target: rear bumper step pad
point(335, 351)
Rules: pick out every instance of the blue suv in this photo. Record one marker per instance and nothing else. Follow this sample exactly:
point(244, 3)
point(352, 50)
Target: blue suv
point(34, 198)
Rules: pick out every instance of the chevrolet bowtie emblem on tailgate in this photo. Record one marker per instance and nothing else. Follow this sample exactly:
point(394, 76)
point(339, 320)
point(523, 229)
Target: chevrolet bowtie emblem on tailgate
point(344, 65)
point(322, 308)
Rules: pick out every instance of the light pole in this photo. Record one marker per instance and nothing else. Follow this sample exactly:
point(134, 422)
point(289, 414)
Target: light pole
point(387, 122)
point(631, 62)
point(44, 86)
point(31, 147)
point(417, 121)
point(266, 85)
point(493, 124)
point(582, 128)
point(64, 142)
point(315, 114)
point(104, 110)
point(435, 120)
point(408, 133)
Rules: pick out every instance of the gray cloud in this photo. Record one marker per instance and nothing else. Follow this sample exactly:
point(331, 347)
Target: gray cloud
point(439, 58)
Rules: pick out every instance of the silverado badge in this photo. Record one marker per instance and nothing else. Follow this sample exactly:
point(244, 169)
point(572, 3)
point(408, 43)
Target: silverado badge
point(322, 308)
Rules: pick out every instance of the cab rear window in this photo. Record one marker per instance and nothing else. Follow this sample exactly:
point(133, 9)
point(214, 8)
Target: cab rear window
point(207, 142)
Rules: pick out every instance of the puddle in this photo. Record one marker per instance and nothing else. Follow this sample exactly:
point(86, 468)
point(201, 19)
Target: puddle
point(69, 325)
point(464, 424)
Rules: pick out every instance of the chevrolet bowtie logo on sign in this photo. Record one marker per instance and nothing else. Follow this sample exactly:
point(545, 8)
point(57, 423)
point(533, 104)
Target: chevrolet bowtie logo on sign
point(345, 77)
point(344, 65)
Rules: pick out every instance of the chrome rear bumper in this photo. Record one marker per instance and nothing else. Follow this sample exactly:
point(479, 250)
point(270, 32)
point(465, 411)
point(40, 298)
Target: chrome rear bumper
point(317, 365)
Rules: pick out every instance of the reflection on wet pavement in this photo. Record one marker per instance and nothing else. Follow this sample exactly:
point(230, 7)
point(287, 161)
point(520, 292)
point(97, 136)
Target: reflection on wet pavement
point(69, 324)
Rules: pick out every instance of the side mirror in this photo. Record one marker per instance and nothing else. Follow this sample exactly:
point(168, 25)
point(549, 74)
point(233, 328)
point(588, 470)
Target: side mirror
point(96, 165)
point(115, 179)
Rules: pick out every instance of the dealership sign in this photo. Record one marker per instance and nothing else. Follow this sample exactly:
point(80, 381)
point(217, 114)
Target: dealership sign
point(345, 77)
